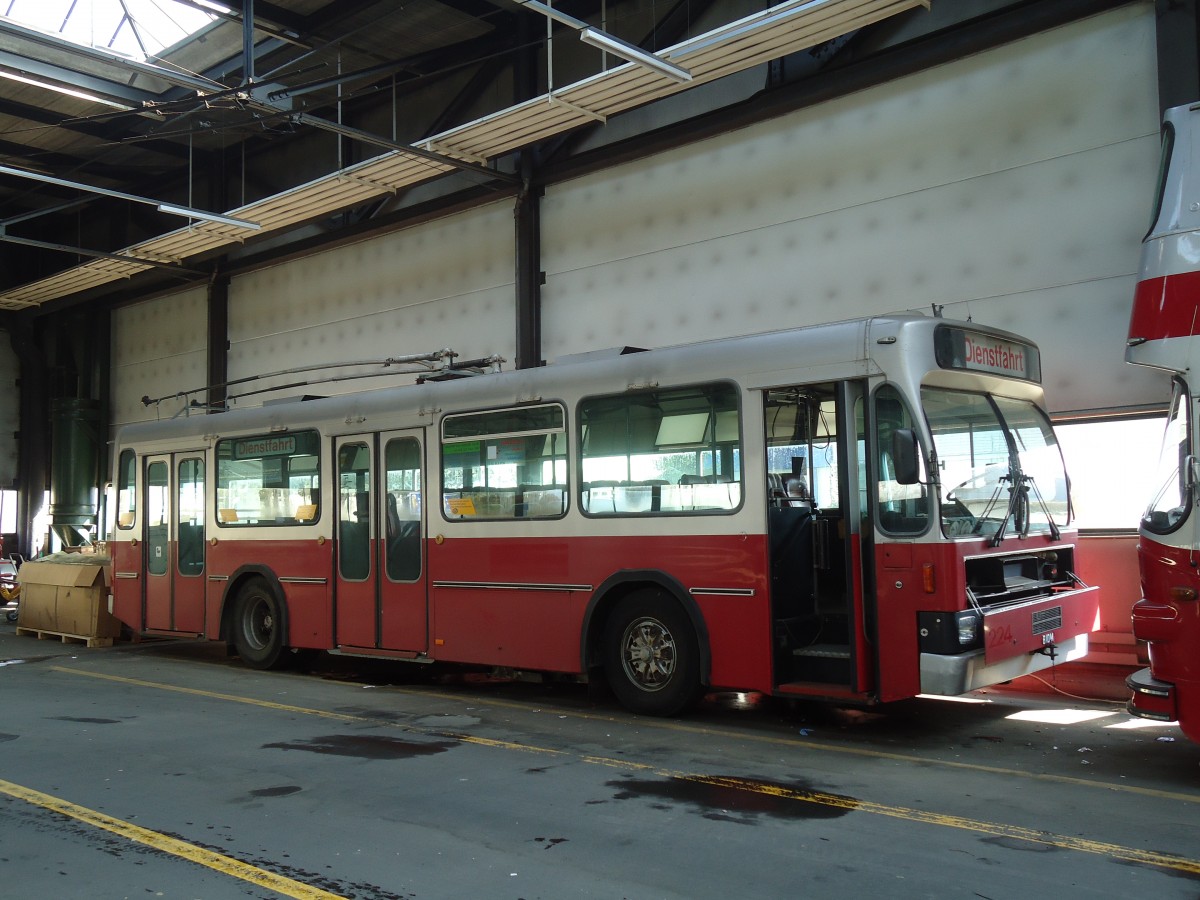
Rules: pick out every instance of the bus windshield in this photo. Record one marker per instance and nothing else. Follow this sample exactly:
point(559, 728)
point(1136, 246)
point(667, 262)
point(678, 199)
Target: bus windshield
point(1172, 499)
point(998, 465)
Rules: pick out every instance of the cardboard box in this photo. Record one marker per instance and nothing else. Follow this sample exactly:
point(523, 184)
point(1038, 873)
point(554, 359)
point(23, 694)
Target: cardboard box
point(66, 598)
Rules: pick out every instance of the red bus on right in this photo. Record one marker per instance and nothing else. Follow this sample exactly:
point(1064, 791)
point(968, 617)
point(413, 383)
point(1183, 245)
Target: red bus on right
point(1164, 332)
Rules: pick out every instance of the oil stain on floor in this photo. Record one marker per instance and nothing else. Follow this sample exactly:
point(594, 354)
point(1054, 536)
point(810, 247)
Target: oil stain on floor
point(740, 800)
point(364, 746)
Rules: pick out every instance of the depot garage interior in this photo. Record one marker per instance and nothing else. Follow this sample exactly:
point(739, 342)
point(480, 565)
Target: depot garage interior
point(210, 209)
point(989, 161)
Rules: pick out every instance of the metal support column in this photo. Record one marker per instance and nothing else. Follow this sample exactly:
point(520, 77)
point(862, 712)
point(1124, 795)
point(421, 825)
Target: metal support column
point(218, 340)
point(529, 276)
point(33, 470)
point(1178, 53)
point(527, 215)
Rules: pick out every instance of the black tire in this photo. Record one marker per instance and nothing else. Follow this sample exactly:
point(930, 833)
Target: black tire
point(258, 626)
point(651, 657)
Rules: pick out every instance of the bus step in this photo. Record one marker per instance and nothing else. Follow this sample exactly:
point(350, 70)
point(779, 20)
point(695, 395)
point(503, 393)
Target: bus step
point(826, 663)
point(823, 651)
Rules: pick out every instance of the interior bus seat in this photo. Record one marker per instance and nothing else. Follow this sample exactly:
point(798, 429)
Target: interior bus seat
point(542, 500)
point(775, 494)
point(392, 515)
point(599, 497)
point(709, 491)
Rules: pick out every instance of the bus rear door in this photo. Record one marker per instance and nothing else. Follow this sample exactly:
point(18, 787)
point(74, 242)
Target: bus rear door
point(381, 591)
point(174, 543)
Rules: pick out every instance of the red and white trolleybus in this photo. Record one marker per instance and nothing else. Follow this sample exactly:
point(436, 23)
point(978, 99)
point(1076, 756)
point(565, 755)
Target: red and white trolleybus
point(1164, 332)
point(862, 511)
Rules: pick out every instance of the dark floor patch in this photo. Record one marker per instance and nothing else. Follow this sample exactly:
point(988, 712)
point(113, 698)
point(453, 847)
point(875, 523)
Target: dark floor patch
point(85, 720)
point(1173, 871)
point(8, 737)
point(739, 800)
point(282, 791)
point(1012, 843)
point(364, 746)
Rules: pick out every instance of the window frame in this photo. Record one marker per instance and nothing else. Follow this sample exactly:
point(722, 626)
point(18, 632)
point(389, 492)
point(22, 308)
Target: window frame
point(127, 465)
point(1181, 406)
point(219, 483)
point(483, 435)
point(738, 452)
point(876, 466)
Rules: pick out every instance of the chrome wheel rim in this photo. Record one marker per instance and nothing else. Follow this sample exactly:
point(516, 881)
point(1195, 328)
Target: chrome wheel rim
point(648, 654)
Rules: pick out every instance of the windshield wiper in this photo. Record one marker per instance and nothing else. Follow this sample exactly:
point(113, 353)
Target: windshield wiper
point(1045, 507)
point(1018, 504)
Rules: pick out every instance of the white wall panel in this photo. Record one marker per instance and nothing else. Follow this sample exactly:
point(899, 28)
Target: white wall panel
point(1010, 186)
point(159, 347)
point(447, 283)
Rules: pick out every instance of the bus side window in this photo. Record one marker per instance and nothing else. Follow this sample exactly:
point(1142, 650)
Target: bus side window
point(903, 507)
point(268, 480)
point(126, 490)
point(676, 450)
point(402, 509)
point(505, 464)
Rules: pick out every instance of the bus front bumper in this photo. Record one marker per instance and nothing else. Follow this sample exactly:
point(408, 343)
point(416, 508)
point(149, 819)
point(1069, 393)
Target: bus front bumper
point(1152, 699)
point(950, 676)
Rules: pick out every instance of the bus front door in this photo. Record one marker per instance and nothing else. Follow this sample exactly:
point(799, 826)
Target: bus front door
point(174, 543)
point(814, 540)
point(381, 600)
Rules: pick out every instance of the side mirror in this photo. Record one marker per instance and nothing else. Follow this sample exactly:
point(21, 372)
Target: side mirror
point(905, 456)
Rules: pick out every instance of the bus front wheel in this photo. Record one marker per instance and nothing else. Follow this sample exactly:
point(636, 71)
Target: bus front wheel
point(651, 658)
point(258, 626)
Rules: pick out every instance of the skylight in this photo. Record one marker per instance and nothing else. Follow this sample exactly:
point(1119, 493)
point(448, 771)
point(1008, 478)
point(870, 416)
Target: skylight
point(140, 29)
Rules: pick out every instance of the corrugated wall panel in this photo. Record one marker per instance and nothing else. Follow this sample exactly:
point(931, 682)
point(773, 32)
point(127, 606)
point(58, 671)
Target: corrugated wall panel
point(159, 347)
point(1009, 186)
point(447, 283)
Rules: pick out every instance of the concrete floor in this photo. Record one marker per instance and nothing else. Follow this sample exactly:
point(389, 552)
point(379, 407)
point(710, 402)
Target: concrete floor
point(169, 770)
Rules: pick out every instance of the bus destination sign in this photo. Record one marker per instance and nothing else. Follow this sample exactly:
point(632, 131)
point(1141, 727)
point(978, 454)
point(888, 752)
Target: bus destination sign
point(958, 348)
point(251, 448)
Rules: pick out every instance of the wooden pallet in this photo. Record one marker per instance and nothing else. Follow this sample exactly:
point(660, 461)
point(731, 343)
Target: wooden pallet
point(67, 638)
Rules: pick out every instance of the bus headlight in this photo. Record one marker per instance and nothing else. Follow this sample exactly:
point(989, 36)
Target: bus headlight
point(968, 627)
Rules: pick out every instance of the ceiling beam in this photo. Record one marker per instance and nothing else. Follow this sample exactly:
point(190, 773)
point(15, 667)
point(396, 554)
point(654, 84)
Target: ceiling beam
point(60, 76)
point(268, 18)
point(94, 254)
point(98, 130)
point(34, 39)
point(58, 161)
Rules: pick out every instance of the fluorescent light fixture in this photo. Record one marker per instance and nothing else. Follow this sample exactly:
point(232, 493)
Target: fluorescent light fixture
point(60, 89)
point(627, 51)
point(170, 208)
point(551, 12)
point(723, 37)
point(189, 213)
point(613, 45)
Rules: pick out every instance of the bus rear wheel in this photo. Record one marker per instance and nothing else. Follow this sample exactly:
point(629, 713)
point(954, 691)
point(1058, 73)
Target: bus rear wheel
point(651, 658)
point(258, 626)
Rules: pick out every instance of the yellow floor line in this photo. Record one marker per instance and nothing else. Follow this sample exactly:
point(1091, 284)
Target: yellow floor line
point(224, 864)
